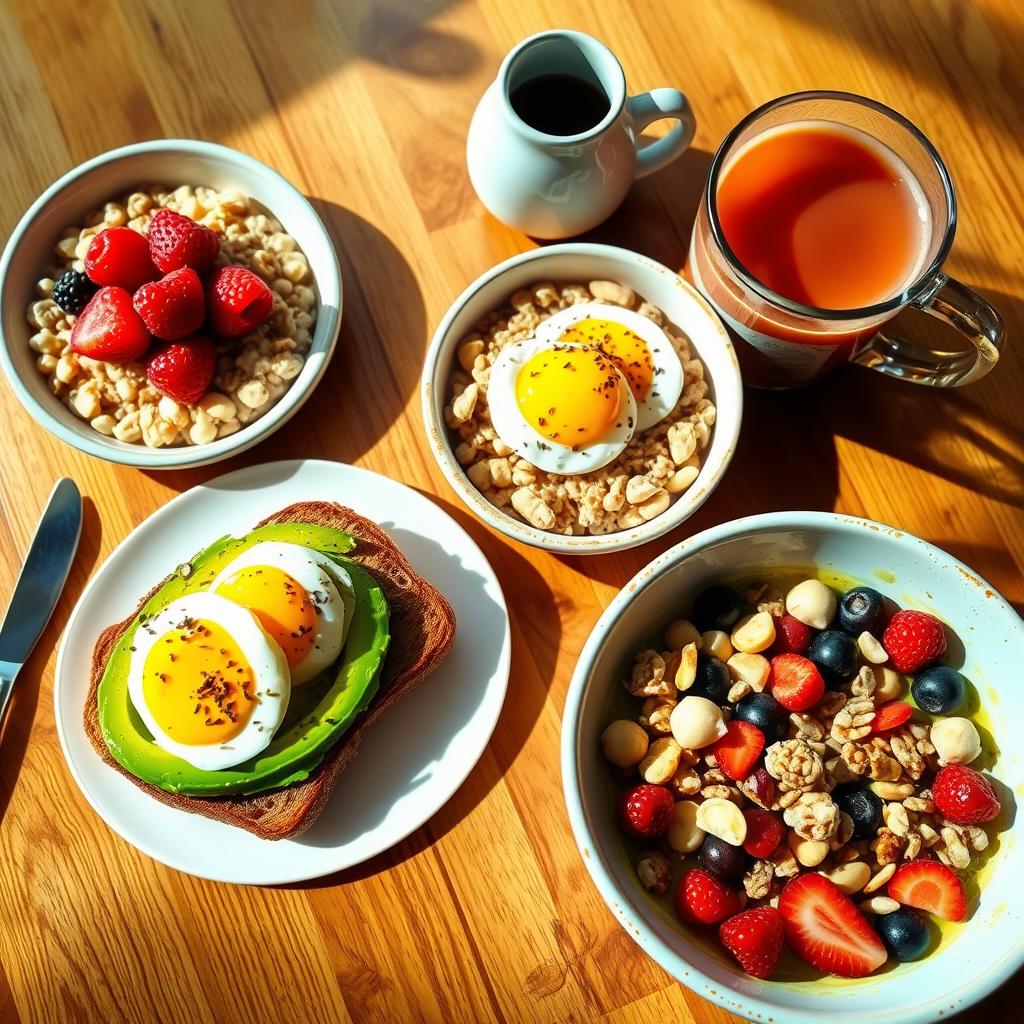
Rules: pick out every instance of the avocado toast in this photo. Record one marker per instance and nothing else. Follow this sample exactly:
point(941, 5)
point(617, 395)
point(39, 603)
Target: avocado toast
point(397, 612)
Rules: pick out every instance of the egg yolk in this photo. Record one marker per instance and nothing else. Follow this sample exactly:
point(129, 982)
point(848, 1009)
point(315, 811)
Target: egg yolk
point(628, 350)
point(283, 607)
point(198, 685)
point(572, 396)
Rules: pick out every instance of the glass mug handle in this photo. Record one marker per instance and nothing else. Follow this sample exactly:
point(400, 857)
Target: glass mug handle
point(958, 306)
point(648, 107)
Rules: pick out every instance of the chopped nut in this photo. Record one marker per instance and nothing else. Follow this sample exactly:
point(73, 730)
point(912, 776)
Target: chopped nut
point(809, 852)
point(758, 880)
point(892, 790)
point(724, 819)
point(716, 643)
point(656, 715)
point(661, 760)
point(684, 834)
point(872, 650)
point(680, 633)
point(754, 633)
point(655, 872)
point(686, 672)
point(849, 878)
point(887, 846)
point(879, 905)
point(880, 878)
point(752, 669)
point(647, 679)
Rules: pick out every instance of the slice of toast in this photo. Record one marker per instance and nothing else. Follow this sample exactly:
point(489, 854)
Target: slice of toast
point(422, 632)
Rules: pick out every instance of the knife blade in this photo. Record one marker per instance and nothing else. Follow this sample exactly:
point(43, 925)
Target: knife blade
point(42, 579)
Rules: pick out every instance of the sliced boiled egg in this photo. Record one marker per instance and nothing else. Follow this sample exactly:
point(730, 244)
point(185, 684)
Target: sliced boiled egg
point(565, 408)
point(640, 348)
point(209, 683)
point(294, 592)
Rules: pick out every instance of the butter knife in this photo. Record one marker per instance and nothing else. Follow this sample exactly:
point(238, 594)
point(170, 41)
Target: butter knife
point(41, 581)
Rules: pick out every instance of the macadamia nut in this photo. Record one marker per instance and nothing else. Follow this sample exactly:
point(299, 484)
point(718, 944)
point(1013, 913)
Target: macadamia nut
point(624, 743)
point(812, 603)
point(697, 722)
point(955, 740)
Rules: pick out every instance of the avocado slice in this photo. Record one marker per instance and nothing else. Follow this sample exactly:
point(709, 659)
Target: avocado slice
point(319, 713)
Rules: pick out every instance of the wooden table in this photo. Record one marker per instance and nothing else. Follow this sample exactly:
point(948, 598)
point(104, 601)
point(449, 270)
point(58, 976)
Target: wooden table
point(486, 912)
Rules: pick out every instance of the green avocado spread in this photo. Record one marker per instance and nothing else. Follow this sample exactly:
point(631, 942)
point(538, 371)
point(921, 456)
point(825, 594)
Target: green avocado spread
point(319, 713)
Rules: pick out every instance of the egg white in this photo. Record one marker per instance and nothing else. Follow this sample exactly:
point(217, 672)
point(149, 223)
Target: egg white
point(316, 574)
point(667, 384)
point(264, 656)
point(514, 429)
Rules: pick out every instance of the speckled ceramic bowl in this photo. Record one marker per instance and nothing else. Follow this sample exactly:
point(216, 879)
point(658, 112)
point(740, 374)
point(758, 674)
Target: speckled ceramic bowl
point(580, 261)
point(972, 958)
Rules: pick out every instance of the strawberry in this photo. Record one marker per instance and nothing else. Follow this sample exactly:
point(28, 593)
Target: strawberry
point(764, 832)
point(891, 715)
point(795, 682)
point(109, 328)
point(119, 256)
point(182, 370)
point(913, 639)
point(754, 938)
point(177, 241)
point(173, 307)
point(645, 811)
point(239, 301)
point(929, 885)
point(738, 749)
point(703, 899)
point(791, 635)
point(825, 928)
point(964, 796)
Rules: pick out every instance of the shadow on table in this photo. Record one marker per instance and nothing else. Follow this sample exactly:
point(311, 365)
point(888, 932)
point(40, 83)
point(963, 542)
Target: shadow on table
point(534, 615)
point(375, 367)
point(17, 728)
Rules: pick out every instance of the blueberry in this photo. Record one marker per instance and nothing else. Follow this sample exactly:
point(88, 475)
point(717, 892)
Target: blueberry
point(939, 690)
point(712, 680)
point(860, 609)
point(718, 607)
point(862, 805)
point(835, 654)
point(904, 932)
point(764, 711)
point(722, 859)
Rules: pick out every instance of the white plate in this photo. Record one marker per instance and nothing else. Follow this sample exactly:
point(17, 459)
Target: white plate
point(410, 763)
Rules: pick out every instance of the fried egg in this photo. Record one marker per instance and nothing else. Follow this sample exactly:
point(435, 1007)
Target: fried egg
point(294, 592)
point(640, 348)
point(564, 408)
point(209, 683)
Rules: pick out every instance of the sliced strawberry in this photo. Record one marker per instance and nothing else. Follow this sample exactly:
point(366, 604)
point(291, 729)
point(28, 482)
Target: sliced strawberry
point(929, 885)
point(791, 635)
point(825, 928)
point(120, 256)
point(964, 796)
point(173, 307)
point(182, 370)
point(703, 899)
point(177, 241)
point(754, 938)
point(764, 832)
point(738, 749)
point(795, 682)
point(109, 329)
point(891, 716)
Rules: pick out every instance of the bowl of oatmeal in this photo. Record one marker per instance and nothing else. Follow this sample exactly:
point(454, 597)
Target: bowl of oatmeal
point(581, 398)
point(119, 408)
point(890, 660)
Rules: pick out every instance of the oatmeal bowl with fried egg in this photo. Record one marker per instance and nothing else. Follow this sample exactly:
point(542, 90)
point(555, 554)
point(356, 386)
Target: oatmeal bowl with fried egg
point(582, 398)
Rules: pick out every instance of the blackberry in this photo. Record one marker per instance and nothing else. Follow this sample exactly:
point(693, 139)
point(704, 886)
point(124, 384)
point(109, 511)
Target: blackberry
point(72, 290)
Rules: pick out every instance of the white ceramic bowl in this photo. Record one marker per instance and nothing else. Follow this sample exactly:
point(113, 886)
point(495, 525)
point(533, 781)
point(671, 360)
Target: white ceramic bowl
point(582, 262)
point(989, 947)
point(172, 162)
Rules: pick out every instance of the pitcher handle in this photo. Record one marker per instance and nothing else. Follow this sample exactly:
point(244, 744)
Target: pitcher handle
point(652, 106)
point(962, 308)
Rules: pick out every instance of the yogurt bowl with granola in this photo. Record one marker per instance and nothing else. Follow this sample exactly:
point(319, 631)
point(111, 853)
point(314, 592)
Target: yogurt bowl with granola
point(582, 398)
point(788, 759)
point(168, 304)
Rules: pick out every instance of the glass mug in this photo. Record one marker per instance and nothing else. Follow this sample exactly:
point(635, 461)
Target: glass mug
point(783, 343)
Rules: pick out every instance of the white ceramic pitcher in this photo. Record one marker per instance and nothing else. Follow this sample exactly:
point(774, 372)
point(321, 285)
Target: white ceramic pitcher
point(553, 186)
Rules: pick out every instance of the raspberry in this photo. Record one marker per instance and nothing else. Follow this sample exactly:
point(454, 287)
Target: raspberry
point(177, 241)
point(645, 811)
point(239, 301)
point(964, 796)
point(182, 370)
point(173, 307)
point(913, 639)
point(119, 256)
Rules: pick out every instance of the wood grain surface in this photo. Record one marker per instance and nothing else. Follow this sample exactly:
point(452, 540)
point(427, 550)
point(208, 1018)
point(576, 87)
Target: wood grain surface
point(486, 912)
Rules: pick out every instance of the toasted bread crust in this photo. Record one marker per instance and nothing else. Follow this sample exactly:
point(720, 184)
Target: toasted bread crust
point(422, 632)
